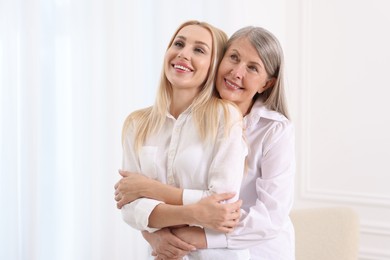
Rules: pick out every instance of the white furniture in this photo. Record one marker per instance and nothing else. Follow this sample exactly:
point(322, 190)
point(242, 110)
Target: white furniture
point(326, 233)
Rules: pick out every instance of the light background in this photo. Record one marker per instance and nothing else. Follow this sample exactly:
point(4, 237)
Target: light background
point(71, 71)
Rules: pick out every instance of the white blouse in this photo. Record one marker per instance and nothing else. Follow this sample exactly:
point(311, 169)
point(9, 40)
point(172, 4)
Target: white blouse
point(177, 156)
point(267, 189)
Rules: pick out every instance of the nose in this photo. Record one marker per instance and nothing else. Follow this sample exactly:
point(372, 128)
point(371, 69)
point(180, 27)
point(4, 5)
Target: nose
point(238, 71)
point(184, 53)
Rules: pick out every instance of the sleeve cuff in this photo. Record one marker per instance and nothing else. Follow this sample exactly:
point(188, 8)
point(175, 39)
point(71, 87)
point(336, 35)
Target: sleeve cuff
point(191, 196)
point(137, 213)
point(215, 239)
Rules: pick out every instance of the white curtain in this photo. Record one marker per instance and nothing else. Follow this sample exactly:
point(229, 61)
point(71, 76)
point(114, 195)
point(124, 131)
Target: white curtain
point(70, 72)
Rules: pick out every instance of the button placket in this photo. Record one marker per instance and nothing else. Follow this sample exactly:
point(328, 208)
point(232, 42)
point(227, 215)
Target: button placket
point(173, 146)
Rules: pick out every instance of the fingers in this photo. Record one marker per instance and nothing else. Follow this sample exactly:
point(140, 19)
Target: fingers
point(233, 216)
point(228, 226)
point(233, 207)
point(230, 222)
point(181, 245)
point(123, 173)
point(223, 196)
point(171, 252)
point(120, 204)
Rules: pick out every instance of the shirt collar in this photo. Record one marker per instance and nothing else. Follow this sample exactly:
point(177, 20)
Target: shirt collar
point(260, 110)
point(184, 113)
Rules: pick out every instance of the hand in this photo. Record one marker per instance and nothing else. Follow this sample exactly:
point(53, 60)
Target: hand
point(166, 245)
point(193, 235)
point(211, 213)
point(129, 188)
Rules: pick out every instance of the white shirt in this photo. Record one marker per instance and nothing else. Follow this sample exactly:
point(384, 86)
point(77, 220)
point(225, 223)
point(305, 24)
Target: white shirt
point(177, 156)
point(267, 190)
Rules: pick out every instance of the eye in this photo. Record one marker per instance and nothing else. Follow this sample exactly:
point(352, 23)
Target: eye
point(253, 68)
point(200, 50)
point(234, 57)
point(179, 44)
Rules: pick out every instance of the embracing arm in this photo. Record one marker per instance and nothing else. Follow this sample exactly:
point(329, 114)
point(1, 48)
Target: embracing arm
point(134, 186)
point(167, 245)
point(269, 213)
point(225, 175)
point(208, 212)
point(136, 213)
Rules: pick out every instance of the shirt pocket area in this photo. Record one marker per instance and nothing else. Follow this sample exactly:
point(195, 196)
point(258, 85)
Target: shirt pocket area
point(147, 158)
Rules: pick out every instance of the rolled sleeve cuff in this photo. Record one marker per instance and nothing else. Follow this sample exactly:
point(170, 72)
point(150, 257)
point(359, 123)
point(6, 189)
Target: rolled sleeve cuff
point(191, 196)
point(215, 239)
point(137, 213)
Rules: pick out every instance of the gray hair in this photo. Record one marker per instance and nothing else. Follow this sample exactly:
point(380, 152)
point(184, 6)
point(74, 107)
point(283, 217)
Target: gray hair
point(271, 54)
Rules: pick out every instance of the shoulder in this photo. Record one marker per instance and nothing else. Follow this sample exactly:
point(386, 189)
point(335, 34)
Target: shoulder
point(229, 109)
point(277, 132)
point(275, 124)
point(263, 117)
point(135, 117)
point(282, 127)
point(270, 124)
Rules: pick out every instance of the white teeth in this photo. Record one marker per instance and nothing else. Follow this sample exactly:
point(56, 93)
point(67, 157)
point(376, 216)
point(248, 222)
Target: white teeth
point(181, 68)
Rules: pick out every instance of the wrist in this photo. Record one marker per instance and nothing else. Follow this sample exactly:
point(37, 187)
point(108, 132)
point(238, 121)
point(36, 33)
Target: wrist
point(189, 214)
point(148, 188)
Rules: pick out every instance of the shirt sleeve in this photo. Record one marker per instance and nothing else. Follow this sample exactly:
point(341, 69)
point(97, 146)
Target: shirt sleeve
point(136, 213)
point(227, 167)
point(275, 190)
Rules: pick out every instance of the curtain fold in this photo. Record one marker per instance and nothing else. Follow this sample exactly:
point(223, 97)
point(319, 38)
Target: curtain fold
point(70, 73)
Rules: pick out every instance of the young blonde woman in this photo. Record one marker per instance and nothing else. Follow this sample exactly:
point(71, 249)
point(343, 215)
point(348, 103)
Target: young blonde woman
point(189, 139)
point(251, 74)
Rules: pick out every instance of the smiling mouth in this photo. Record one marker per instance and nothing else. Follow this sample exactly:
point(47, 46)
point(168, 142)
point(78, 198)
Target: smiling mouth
point(182, 68)
point(231, 85)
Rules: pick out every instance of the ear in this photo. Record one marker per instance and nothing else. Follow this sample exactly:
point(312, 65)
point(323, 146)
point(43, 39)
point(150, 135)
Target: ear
point(270, 83)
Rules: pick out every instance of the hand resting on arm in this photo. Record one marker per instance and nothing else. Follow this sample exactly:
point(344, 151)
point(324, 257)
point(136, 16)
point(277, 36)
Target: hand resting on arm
point(208, 212)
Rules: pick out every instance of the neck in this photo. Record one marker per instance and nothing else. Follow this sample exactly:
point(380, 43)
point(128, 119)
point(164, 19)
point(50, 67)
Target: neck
point(181, 100)
point(246, 109)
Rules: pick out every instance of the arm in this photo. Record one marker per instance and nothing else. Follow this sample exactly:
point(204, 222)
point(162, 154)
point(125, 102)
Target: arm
point(168, 243)
point(208, 212)
point(270, 211)
point(136, 213)
point(226, 168)
point(225, 173)
point(193, 235)
point(134, 186)
point(164, 243)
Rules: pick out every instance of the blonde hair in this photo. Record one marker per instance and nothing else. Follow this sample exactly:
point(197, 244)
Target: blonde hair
point(271, 54)
point(205, 106)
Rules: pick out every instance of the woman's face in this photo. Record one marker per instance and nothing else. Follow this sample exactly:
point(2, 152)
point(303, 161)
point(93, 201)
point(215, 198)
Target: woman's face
point(241, 74)
point(188, 59)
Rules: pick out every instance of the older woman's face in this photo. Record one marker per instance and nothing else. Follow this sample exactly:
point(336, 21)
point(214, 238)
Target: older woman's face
point(241, 74)
point(188, 59)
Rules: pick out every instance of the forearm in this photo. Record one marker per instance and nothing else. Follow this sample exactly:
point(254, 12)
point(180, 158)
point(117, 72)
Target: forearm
point(165, 215)
point(163, 192)
point(192, 235)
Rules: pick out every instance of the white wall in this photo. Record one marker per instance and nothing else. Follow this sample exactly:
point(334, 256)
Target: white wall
point(340, 101)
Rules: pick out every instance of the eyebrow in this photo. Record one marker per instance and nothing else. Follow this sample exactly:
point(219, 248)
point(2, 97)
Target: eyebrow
point(253, 62)
point(197, 42)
